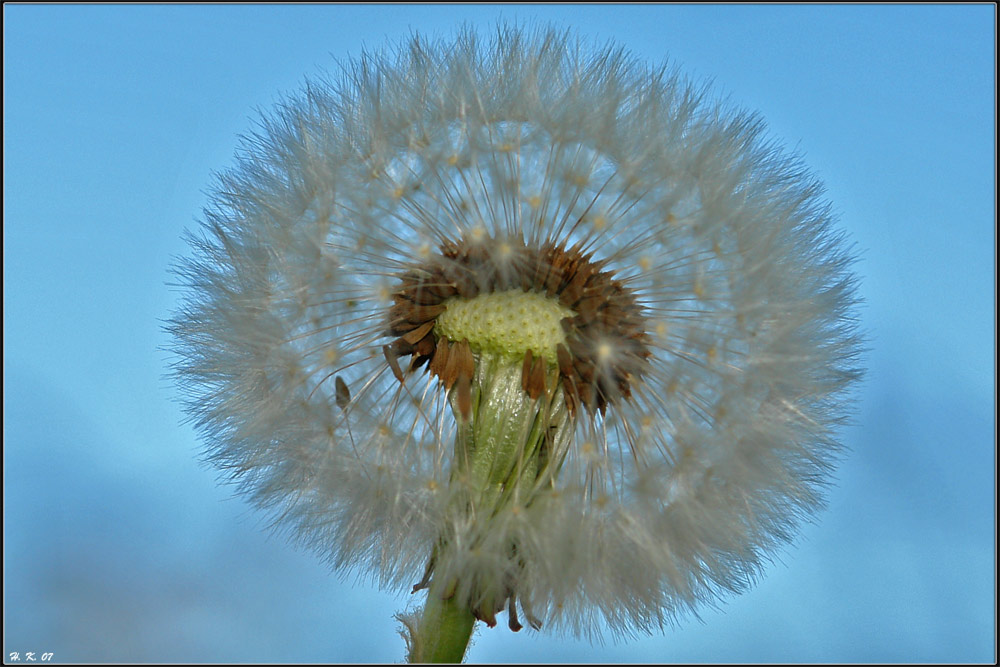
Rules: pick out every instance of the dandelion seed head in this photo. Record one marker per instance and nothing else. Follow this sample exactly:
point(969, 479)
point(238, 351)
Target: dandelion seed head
point(616, 288)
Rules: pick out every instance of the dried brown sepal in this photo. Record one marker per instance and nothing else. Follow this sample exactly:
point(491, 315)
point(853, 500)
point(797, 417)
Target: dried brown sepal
point(536, 384)
point(565, 360)
point(425, 580)
point(608, 389)
point(390, 357)
point(450, 372)
point(404, 314)
point(463, 389)
point(417, 334)
point(467, 287)
point(465, 365)
point(569, 395)
point(343, 394)
point(466, 362)
point(574, 289)
point(587, 393)
point(442, 290)
point(487, 616)
point(440, 360)
point(526, 370)
point(584, 370)
point(425, 295)
point(512, 621)
point(579, 348)
point(425, 348)
point(541, 272)
point(422, 352)
point(554, 281)
point(588, 307)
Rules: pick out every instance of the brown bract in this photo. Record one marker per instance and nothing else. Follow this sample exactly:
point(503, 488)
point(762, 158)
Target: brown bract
point(606, 347)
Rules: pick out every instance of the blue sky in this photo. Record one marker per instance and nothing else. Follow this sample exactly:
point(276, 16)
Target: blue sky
point(119, 546)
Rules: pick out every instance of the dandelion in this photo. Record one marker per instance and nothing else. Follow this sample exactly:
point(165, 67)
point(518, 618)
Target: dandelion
point(525, 324)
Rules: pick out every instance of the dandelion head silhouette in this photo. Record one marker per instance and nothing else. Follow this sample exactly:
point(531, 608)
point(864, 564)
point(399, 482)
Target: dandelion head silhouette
point(525, 320)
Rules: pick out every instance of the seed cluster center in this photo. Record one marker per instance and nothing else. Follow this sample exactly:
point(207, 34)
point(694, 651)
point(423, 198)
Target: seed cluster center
point(545, 306)
point(507, 323)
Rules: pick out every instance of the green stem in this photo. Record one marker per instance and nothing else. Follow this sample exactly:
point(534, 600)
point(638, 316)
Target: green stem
point(444, 631)
point(500, 450)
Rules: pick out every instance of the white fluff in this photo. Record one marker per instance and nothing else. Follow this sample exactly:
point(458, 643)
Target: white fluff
point(675, 495)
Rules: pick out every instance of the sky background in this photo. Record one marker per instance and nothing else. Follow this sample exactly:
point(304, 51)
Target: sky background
point(119, 545)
